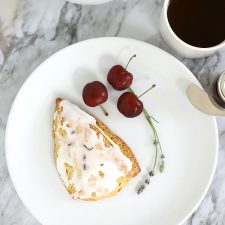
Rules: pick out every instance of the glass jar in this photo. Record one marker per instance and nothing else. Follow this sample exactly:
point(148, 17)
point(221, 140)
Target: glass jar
point(218, 91)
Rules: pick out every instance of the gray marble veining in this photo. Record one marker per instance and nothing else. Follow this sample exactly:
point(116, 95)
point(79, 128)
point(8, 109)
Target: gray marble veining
point(32, 30)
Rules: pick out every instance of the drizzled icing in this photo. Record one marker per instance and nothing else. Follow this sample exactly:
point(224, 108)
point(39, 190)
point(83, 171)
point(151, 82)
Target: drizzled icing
point(84, 161)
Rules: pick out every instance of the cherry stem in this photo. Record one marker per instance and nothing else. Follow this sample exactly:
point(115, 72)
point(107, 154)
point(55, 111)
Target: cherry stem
point(147, 90)
point(130, 60)
point(104, 110)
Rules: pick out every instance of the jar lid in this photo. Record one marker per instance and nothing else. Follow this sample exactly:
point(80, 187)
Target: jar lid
point(221, 87)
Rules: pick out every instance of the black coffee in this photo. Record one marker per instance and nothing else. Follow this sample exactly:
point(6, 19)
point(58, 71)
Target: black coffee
point(200, 23)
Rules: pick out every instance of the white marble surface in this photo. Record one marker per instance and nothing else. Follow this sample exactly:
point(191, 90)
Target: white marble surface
point(31, 30)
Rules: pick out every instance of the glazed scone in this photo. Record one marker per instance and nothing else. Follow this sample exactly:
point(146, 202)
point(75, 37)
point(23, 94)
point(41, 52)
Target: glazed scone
point(92, 162)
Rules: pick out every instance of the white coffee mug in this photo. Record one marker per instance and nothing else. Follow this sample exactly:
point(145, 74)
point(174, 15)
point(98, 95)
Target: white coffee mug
point(177, 44)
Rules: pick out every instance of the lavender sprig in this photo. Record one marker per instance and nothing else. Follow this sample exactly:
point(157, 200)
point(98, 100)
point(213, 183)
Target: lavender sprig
point(157, 145)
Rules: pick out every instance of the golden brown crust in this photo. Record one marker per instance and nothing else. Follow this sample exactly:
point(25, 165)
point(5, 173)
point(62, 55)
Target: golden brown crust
point(105, 131)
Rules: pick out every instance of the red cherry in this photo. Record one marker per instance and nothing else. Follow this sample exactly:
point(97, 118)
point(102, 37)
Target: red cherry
point(119, 78)
point(129, 105)
point(94, 93)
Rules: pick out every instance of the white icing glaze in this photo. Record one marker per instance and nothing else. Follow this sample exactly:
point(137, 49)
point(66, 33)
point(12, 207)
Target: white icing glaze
point(95, 170)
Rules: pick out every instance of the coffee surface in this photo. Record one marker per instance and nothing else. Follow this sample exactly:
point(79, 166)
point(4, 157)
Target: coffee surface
point(200, 23)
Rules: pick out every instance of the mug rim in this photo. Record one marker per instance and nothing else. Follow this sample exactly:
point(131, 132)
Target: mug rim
point(165, 9)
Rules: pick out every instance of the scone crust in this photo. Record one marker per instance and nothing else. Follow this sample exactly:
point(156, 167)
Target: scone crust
point(123, 180)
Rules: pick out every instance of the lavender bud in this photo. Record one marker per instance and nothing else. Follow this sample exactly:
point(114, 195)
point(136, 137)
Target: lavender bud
point(141, 189)
point(161, 166)
point(147, 181)
point(151, 173)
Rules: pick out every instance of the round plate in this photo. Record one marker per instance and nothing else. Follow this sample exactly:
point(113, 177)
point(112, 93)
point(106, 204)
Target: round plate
point(188, 137)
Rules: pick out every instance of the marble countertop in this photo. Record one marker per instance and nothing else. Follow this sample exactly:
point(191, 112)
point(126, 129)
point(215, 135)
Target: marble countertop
point(31, 30)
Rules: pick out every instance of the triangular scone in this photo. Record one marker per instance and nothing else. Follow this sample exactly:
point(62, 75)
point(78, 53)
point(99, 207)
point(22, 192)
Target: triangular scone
point(92, 162)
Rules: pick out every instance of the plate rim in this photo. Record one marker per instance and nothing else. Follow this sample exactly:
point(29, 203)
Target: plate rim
point(30, 77)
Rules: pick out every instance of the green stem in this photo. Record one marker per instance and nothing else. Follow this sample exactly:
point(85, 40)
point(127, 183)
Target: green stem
point(148, 118)
point(159, 144)
point(146, 91)
point(154, 119)
point(104, 110)
point(153, 128)
point(155, 138)
point(156, 156)
point(147, 115)
point(130, 60)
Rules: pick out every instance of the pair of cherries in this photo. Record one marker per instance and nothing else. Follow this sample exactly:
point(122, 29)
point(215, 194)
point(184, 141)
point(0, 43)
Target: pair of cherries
point(95, 93)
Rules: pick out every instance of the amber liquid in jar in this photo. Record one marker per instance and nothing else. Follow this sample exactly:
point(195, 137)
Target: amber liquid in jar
point(216, 96)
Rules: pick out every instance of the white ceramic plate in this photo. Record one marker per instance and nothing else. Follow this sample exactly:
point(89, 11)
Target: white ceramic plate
point(188, 137)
